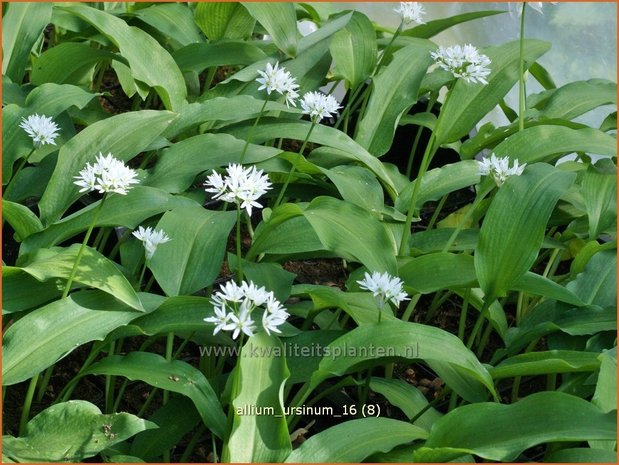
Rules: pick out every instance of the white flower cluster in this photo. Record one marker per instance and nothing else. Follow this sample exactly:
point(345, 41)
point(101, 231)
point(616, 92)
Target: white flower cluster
point(108, 174)
point(411, 12)
point(279, 80)
point(318, 105)
point(151, 239)
point(41, 129)
point(499, 168)
point(384, 287)
point(242, 186)
point(463, 62)
point(235, 304)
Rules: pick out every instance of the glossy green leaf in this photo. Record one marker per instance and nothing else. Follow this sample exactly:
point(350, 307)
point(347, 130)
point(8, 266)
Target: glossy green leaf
point(71, 432)
point(223, 20)
point(599, 191)
point(174, 376)
point(23, 220)
point(199, 56)
point(354, 50)
point(123, 135)
point(605, 396)
point(357, 185)
point(536, 284)
point(23, 24)
point(517, 216)
point(432, 272)
point(280, 22)
point(303, 361)
point(467, 103)
point(394, 91)
point(501, 432)
point(431, 28)
point(150, 63)
point(258, 383)
point(20, 291)
point(41, 338)
point(94, 270)
point(193, 258)
point(582, 455)
point(442, 351)
point(174, 20)
point(577, 98)
point(354, 440)
point(268, 275)
point(541, 363)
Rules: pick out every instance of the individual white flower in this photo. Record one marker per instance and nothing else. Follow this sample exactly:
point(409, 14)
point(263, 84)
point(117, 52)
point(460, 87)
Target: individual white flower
point(319, 105)
point(41, 129)
point(108, 174)
point(499, 168)
point(243, 186)
point(271, 321)
point(411, 11)
point(151, 239)
point(279, 80)
point(384, 287)
point(228, 292)
point(241, 322)
point(220, 320)
point(258, 295)
point(463, 62)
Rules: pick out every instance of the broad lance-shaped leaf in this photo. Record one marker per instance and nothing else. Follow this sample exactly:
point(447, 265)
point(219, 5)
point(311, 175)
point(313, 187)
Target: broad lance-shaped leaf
point(431, 28)
point(42, 337)
point(94, 270)
point(467, 103)
point(354, 440)
point(501, 432)
point(192, 259)
point(577, 98)
point(394, 91)
point(442, 351)
point(174, 376)
point(541, 363)
point(71, 432)
point(599, 191)
point(123, 135)
point(223, 20)
point(513, 229)
point(280, 22)
point(150, 63)
point(258, 381)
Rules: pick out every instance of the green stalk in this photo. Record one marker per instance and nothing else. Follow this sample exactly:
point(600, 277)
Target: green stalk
point(411, 156)
point(192, 444)
point(431, 404)
point(239, 268)
point(437, 211)
point(169, 349)
point(411, 307)
point(251, 131)
point(463, 312)
point(521, 90)
point(44, 383)
point(109, 383)
point(25, 414)
point(67, 288)
point(479, 322)
point(292, 170)
point(19, 168)
point(393, 38)
point(139, 285)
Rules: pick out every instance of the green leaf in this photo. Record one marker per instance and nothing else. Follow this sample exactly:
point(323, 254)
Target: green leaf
point(394, 91)
point(199, 56)
point(432, 28)
point(71, 432)
point(269, 275)
point(605, 397)
point(429, 273)
point(354, 440)
point(501, 432)
point(536, 284)
point(41, 338)
point(22, 292)
point(23, 221)
point(258, 383)
point(123, 135)
point(94, 270)
point(175, 21)
point(223, 20)
point(541, 363)
point(596, 285)
point(467, 103)
point(442, 351)
point(129, 211)
point(354, 50)
point(68, 62)
point(599, 191)
point(150, 63)
point(174, 376)
point(357, 185)
point(517, 216)
point(192, 260)
point(352, 233)
point(577, 98)
point(280, 22)
point(581, 455)
point(23, 24)
point(303, 361)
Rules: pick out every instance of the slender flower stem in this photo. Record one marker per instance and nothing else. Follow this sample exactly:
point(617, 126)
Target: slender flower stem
point(239, 265)
point(19, 168)
point(280, 197)
point(251, 131)
point(25, 414)
point(521, 90)
point(139, 285)
point(386, 50)
point(44, 383)
point(411, 157)
point(480, 321)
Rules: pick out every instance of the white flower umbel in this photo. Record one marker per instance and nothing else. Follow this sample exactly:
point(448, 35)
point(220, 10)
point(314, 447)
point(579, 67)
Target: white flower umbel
point(318, 105)
point(463, 62)
point(41, 129)
point(151, 239)
point(243, 186)
point(276, 79)
point(234, 306)
point(108, 174)
point(411, 12)
point(499, 168)
point(384, 287)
